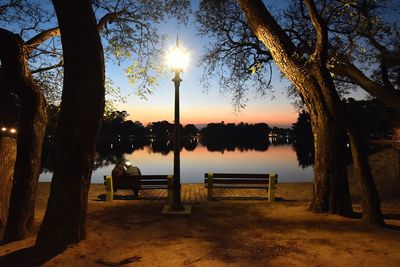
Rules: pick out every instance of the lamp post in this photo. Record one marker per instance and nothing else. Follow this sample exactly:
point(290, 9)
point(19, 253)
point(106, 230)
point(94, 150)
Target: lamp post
point(177, 60)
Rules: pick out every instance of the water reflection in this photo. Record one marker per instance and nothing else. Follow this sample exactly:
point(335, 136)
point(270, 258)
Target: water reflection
point(304, 151)
point(292, 161)
point(222, 145)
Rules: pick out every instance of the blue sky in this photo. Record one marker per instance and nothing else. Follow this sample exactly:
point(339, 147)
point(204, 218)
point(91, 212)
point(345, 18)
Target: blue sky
point(197, 106)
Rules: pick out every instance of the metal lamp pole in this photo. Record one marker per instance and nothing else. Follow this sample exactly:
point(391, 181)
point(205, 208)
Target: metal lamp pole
point(176, 201)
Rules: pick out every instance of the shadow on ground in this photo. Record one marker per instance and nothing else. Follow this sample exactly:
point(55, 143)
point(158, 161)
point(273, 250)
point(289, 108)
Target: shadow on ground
point(226, 231)
point(27, 257)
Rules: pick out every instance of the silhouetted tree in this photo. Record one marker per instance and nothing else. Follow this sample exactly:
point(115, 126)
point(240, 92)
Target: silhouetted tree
point(248, 56)
point(162, 129)
point(190, 130)
point(127, 28)
point(221, 136)
point(31, 127)
point(303, 144)
point(372, 117)
point(8, 147)
point(312, 79)
point(82, 108)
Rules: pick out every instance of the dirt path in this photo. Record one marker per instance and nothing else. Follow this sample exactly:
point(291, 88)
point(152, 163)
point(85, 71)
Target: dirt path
point(226, 233)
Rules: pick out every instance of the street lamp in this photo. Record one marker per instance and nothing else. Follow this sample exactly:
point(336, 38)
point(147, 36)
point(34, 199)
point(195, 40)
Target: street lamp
point(177, 60)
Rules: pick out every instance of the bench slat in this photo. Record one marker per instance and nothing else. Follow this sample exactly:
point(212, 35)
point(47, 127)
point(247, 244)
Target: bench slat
point(241, 181)
point(155, 182)
point(153, 187)
point(239, 175)
point(143, 177)
point(239, 186)
point(238, 181)
point(140, 182)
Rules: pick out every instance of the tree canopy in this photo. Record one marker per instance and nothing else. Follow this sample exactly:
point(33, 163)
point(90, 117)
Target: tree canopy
point(363, 46)
point(234, 54)
point(129, 35)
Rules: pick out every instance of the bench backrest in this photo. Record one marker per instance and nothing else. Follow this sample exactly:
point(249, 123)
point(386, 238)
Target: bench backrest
point(139, 181)
point(126, 181)
point(239, 178)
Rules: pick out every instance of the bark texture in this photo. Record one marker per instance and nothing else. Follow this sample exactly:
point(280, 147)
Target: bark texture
point(8, 153)
point(330, 187)
point(81, 111)
point(331, 192)
point(31, 128)
point(371, 203)
point(315, 85)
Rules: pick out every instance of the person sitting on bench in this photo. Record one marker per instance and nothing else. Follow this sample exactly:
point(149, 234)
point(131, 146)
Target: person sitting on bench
point(126, 169)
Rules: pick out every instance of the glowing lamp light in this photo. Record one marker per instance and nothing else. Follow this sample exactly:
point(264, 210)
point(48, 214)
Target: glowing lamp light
point(177, 58)
point(3, 129)
point(13, 131)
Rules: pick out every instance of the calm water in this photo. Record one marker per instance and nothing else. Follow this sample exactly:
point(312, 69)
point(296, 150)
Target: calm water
point(280, 159)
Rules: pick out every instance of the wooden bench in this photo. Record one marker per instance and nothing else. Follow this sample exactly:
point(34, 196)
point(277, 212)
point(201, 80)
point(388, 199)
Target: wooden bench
point(241, 180)
point(138, 182)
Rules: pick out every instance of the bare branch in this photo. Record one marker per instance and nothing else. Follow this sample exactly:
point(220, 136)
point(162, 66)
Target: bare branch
point(35, 41)
point(60, 64)
point(321, 49)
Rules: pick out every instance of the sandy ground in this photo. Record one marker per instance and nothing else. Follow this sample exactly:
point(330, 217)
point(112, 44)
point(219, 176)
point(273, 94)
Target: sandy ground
point(227, 233)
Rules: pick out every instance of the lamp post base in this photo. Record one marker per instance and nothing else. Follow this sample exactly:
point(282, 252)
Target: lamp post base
point(169, 210)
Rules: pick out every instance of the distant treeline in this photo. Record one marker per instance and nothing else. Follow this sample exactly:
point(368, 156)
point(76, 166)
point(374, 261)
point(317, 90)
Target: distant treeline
point(116, 125)
point(372, 117)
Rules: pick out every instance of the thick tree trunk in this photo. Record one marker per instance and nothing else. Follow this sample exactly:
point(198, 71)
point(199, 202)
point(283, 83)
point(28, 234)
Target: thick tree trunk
point(369, 194)
point(331, 193)
point(371, 203)
point(31, 128)
point(8, 149)
point(370, 199)
point(315, 85)
point(81, 111)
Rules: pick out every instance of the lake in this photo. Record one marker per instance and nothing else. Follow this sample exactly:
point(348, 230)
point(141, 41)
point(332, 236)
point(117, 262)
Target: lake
point(197, 159)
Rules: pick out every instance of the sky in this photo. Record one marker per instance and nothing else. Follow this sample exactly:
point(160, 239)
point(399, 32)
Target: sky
point(197, 106)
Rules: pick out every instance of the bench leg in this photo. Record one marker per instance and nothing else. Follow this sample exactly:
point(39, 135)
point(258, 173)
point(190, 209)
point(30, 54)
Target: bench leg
point(109, 188)
point(210, 177)
point(271, 188)
point(170, 189)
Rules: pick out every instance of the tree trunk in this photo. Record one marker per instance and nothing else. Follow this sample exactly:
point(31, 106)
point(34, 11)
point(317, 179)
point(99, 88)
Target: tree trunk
point(370, 199)
point(369, 194)
point(81, 111)
point(31, 128)
point(331, 192)
point(8, 147)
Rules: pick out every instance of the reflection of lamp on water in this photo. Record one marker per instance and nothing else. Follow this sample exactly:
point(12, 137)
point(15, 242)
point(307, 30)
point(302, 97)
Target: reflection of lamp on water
point(177, 60)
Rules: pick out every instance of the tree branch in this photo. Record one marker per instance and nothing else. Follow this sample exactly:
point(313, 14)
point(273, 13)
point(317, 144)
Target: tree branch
point(42, 37)
point(387, 95)
point(321, 49)
point(60, 64)
point(109, 17)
